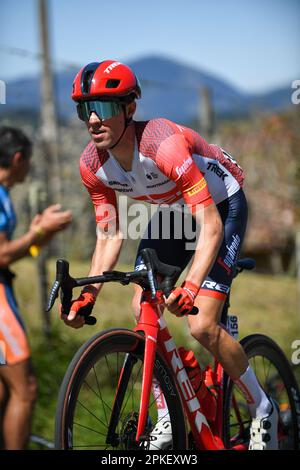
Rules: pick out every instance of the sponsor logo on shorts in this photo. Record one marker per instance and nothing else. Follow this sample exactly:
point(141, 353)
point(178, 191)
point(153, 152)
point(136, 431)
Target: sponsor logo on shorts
point(211, 285)
point(231, 254)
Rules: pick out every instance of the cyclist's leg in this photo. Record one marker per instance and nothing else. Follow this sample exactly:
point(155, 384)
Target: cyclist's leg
point(232, 357)
point(22, 388)
point(205, 327)
point(17, 374)
point(136, 301)
point(216, 286)
point(213, 292)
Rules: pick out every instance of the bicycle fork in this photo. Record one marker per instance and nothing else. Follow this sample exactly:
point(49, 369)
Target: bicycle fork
point(112, 438)
point(150, 331)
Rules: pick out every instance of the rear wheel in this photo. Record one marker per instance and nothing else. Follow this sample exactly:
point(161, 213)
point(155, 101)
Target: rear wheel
point(277, 379)
point(88, 414)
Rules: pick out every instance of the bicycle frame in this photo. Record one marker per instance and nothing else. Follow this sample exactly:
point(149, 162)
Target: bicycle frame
point(207, 435)
point(157, 335)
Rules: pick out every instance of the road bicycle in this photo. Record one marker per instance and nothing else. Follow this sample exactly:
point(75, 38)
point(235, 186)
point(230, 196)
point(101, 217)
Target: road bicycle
point(106, 400)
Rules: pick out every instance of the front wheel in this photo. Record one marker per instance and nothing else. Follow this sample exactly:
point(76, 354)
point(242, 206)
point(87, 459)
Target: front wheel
point(276, 377)
point(97, 410)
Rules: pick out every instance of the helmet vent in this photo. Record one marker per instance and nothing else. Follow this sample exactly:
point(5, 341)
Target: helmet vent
point(112, 83)
point(87, 81)
point(87, 77)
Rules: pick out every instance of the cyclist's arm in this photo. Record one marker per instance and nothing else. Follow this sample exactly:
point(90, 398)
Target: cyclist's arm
point(208, 244)
point(105, 256)
point(176, 161)
point(207, 217)
point(109, 237)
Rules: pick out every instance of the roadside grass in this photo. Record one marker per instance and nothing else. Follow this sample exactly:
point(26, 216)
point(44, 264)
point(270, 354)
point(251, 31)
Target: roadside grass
point(264, 304)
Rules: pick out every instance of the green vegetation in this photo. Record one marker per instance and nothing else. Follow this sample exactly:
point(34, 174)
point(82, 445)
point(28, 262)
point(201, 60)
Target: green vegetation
point(267, 148)
point(264, 304)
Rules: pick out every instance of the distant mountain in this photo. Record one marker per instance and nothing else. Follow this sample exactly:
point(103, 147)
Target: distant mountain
point(170, 89)
point(24, 94)
point(274, 100)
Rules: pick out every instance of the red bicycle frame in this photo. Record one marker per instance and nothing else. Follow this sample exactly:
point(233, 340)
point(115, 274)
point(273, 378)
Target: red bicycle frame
point(157, 335)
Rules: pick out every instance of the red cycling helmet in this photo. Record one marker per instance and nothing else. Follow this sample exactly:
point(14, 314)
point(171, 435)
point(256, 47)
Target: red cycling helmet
point(107, 80)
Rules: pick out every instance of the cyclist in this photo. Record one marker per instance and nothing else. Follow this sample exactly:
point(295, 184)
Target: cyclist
point(18, 387)
point(164, 163)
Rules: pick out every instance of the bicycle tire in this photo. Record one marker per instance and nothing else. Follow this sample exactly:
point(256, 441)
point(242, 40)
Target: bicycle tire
point(101, 346)
point(261, 346)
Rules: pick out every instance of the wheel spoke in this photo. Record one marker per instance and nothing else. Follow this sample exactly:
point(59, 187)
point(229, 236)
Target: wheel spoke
point(90, 429)
point(103, 402)
point(131, 391)
point(100, 397)
point(90, 394)
point(92, 414)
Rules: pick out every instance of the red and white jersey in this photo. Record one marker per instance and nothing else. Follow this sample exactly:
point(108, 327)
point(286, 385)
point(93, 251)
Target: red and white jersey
point(171, 164)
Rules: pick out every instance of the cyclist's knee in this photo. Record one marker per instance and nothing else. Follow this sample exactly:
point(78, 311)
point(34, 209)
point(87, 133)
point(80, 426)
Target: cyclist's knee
point(136, 300)
point(207, 333)
point(205, 326)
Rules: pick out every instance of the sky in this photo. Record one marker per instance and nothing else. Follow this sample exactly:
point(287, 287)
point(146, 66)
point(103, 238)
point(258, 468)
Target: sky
point(252, 44)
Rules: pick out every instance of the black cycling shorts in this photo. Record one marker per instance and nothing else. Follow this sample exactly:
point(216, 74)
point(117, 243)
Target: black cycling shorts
point(175, 245)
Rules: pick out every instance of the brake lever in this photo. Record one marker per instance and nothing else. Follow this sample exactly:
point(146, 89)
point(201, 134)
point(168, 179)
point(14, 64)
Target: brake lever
point(53, 295)
point(150, 274)
point(64, 282)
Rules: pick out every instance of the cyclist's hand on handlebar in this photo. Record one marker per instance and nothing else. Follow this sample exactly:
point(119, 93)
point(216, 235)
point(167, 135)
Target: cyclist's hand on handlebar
point(181, 300)
point(80, 309)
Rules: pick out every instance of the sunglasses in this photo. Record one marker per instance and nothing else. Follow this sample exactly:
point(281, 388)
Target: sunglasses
point(103, 109)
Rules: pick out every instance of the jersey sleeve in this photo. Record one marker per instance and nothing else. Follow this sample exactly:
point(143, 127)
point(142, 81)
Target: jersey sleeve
point(175, 160)
point(103, 198)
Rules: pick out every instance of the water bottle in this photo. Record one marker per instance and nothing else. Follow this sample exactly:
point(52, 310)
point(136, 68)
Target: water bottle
point(198, 379)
